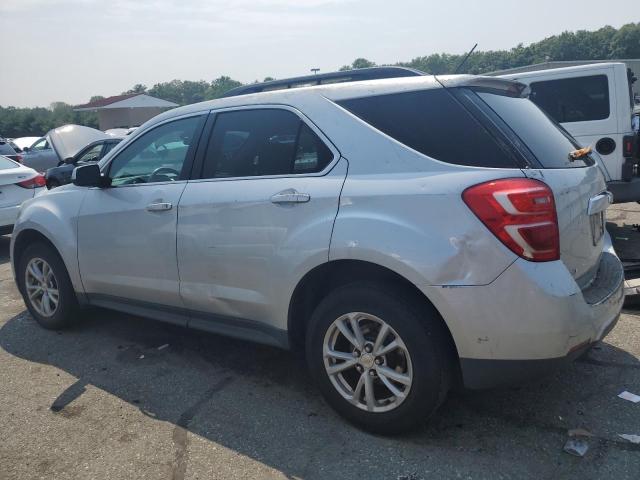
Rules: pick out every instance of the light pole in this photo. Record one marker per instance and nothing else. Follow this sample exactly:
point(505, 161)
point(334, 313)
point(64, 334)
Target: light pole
point(315, 70)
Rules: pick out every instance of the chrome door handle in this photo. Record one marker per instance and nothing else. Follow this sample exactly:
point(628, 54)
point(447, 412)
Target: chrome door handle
point(290, 197)
point(600, 202)
point(159, 207)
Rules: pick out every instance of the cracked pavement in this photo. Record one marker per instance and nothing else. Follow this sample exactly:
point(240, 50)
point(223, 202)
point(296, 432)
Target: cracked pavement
point(102, 401)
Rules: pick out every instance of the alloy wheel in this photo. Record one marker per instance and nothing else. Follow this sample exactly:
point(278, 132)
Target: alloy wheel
point(42, 287)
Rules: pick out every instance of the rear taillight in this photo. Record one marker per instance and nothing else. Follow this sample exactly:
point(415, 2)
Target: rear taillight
point(521, 212)
point(627, 146)
point(35, 182)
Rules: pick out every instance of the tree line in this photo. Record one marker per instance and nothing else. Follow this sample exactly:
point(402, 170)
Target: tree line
point(603, 44)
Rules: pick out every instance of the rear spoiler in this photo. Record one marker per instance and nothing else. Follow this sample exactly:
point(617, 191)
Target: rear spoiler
point(499, 86)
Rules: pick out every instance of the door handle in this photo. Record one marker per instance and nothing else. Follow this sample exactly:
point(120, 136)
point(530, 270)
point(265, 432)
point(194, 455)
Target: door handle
point(159, 207)
point(290, 197)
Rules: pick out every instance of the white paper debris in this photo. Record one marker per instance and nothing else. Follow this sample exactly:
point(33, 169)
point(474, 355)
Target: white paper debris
point(162, 347)
point(632, 397)
point(141, 357)
point(631, 438)
point(576, 447)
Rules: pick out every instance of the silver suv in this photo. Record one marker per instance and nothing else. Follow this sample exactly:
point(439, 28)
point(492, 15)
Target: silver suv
point(411, 235)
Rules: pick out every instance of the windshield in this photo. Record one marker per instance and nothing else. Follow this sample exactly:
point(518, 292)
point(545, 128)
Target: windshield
point(550, 143)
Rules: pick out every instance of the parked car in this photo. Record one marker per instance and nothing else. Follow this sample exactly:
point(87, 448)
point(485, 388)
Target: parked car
point(594, 103)
point(61, 175)
point(24, 142)
point(17, 184)
point(8, 151)
point(59, 144)
point(419, 233)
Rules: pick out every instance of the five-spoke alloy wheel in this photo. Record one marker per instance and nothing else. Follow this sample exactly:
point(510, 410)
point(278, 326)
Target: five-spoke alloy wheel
point(42, 287)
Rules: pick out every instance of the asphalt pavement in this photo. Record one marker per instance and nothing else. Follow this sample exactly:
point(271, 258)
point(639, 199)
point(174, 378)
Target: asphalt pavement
point(121, 397)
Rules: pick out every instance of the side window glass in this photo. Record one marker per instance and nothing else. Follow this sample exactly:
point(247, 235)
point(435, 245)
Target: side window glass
point(91, 155)
point(41, 144)
point(249, 143)
point(577, 99)
point(157, 156)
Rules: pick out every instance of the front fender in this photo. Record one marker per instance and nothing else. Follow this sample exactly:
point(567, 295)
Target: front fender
point(54, 215)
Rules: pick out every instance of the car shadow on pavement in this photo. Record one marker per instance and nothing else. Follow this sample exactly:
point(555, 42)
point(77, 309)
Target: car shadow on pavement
point(259, 402)
point(5, 240)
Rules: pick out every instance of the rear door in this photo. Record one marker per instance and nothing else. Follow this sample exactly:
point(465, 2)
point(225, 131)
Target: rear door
point(258, 218)
point(578, 185)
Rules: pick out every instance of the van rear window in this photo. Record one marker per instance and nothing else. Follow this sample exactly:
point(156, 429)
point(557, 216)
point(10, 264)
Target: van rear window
point(579, 99)
point(433, 123)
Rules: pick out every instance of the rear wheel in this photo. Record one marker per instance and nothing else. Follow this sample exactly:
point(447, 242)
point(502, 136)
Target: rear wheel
point(378, 357)
point(46, 287)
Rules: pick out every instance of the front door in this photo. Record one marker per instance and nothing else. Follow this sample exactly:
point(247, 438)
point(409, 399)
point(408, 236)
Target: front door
point(260, 217)
point(127, 232)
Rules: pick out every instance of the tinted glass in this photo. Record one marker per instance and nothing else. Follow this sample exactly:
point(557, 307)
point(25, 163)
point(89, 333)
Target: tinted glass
point(249, 143)
point(6, 164)
point(578, 99)
point(433, 123)
point(108, 147)
point(91, 155)
point(157, 156)
point(546, 140)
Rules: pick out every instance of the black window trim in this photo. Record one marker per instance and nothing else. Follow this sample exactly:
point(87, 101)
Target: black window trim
point(187, 166)
point(197, 172)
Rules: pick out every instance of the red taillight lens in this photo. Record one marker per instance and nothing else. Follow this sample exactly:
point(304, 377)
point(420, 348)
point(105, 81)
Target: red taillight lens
point(35, 182)
point(521, 212)
point(627, 146)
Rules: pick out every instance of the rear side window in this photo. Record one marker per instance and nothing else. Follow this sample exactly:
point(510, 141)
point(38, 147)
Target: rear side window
point(249, 143)
point(433, 123)
point(579, 99)
point(546, 139)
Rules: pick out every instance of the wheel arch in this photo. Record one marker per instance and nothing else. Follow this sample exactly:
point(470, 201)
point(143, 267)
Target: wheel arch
point(321, 280)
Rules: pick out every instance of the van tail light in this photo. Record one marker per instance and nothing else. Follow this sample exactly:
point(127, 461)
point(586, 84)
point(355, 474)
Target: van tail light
point(521, 212)
point(35, 182)
point(627, 146)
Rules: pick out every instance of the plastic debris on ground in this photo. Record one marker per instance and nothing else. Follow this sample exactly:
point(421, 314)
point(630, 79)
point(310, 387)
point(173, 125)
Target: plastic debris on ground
point(576, 446)
point(632, 397)
point(162, 347)
point(631, 438)
point(579, 432)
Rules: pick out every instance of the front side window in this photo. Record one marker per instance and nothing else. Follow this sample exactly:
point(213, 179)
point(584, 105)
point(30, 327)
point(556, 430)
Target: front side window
point(249, 143)
point(91, 155)
point(41, 144)
point(433, 123)
point(157, 156)
point(579, 99)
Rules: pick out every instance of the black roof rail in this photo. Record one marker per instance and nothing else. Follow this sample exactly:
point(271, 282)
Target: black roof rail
point(372, 73)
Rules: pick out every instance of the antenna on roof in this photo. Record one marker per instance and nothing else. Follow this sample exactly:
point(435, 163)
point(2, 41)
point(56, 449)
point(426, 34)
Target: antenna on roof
point(464, 60)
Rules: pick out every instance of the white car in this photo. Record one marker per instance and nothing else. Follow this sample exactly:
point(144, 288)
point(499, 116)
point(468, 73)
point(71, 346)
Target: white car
point(17, 184)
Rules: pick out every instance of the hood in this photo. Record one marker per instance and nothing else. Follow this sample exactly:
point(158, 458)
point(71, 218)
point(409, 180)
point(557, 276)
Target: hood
point(70, 139)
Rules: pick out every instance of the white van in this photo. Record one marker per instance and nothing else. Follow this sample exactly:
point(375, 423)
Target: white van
point(595, 104)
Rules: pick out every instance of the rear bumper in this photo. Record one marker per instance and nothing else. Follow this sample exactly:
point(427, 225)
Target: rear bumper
point(625, 191)
point(532, 318)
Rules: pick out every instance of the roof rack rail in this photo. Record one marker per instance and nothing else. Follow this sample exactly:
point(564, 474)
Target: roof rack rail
point(372, 73)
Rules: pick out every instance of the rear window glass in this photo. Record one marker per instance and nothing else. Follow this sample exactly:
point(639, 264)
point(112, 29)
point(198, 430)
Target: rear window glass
point(433, 123)
point(579, 99)
point(5, 149)
point(547, 140)
point(6, 163)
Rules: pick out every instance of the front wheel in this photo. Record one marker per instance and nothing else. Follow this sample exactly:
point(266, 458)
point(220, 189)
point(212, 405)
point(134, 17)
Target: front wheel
point(46, 287)
point(379, 358)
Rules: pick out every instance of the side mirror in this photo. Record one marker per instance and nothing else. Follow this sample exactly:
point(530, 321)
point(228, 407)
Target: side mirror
point(88, 176)
point(26, 149)
point(69, 161)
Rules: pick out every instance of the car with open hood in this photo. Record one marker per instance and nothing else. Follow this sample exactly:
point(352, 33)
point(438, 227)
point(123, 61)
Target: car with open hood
point(58, 145)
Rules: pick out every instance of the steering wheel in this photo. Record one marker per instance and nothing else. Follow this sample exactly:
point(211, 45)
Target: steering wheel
point(162, 171)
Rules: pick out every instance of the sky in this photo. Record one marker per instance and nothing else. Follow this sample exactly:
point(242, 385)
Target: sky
point(70, 50)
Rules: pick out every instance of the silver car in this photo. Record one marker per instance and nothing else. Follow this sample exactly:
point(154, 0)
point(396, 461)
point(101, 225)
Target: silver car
point(409, 234)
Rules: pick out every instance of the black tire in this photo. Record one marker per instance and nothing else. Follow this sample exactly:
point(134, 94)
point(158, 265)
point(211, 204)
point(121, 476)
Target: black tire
point(66, 312)
point(419, 327)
